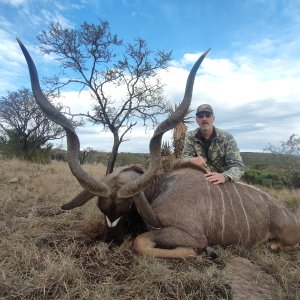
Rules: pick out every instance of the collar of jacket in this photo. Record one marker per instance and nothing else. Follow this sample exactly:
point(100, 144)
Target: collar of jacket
point(197, 134)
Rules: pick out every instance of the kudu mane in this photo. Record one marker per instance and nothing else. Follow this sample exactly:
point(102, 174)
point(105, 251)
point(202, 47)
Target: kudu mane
point(181, 164)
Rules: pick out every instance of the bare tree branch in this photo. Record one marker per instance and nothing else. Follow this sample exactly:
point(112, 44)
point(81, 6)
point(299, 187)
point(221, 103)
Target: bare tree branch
point(22, 119)
point(99, 61)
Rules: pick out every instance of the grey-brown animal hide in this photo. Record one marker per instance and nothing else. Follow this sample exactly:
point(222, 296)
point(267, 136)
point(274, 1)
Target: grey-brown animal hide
point(195, 210)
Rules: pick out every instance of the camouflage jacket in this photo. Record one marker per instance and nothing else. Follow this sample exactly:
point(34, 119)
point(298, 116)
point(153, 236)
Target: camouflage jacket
point(223, 153)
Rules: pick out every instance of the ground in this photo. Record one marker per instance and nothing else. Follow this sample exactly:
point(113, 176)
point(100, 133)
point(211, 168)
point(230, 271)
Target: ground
point(47, 254)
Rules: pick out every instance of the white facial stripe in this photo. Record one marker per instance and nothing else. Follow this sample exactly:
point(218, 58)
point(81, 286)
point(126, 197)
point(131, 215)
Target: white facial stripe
point(112, 224)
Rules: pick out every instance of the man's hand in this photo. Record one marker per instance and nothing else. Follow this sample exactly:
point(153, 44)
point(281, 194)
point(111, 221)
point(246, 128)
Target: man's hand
point(215, 178)
point(199, 161)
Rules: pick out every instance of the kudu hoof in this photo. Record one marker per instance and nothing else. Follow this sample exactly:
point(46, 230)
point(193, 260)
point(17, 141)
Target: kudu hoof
point(208, 252)
point(275, 246)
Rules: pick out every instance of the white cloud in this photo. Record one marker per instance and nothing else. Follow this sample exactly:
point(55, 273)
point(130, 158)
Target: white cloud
point(265, 46)
point(11, 60)
point(94, 136)
point(251, 101)
point(258, 103)
point(5, 23)
point(256, 111)
point(55, 17)
point(15, 3)
point(63, 5)
point(255, 92)
point(77, 102)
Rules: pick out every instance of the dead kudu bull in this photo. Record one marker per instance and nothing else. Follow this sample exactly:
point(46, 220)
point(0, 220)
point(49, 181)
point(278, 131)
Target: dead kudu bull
point(185, 211)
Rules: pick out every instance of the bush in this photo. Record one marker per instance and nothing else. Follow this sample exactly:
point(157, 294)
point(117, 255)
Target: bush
point(265, 178)
point(12, 148)
point(96, 157)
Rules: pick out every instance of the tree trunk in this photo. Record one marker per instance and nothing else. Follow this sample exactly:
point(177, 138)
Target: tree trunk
point(114, 154)
point(178, 138)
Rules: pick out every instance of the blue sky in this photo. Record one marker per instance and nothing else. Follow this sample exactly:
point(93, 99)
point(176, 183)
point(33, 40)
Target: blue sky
point(251, 77)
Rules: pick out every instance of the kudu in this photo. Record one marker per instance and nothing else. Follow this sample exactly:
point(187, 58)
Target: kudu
point(184, 212)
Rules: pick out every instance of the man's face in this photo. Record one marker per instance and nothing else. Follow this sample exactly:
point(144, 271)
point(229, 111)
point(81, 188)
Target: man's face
point(205, 120)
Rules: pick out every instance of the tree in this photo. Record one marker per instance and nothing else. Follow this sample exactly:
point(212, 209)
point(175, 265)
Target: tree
point(290, 147)
point(179, 134)
point(100, 62)
point(287, 155)
point(23, 125)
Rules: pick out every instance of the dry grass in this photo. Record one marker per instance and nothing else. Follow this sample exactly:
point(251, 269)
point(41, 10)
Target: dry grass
point(46, 254)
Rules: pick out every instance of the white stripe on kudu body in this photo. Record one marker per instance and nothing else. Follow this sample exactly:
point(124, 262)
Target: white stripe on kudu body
point(243, 209)
point(231, 204)
point(231, 213)
point(223, 213)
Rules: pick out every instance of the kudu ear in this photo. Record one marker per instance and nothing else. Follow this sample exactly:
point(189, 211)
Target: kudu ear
point(79, 200)
point(145, 211)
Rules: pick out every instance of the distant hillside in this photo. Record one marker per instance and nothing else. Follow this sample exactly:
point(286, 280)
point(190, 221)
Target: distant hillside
point(261, 168)
point(272, 170)
point(93, 156)
point(259, 158)
point(126, 158)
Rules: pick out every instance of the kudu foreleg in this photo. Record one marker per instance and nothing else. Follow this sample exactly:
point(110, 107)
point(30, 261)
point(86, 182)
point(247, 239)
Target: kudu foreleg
point(169, 243)
point(144, 246)
point(286, 237)
point(284, 229)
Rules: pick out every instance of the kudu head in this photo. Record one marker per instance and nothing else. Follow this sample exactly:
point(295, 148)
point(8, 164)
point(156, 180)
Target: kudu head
point(119, 190)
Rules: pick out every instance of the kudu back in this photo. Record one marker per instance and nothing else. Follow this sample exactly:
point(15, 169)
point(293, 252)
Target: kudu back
point(183, 212)
point(196, 213)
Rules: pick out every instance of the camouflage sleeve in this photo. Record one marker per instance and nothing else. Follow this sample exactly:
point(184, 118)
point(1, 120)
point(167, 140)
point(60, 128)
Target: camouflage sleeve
point(233, 160)
point(188, 148)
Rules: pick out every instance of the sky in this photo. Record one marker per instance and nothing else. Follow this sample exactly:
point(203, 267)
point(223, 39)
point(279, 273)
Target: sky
point(251, 76)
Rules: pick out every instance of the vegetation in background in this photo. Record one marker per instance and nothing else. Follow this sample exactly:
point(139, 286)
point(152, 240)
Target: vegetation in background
point(287, 154)
point(11, 147)
point(166, 149)
point(179, 134)
point(289, 148)
point(25, 131)
point(278, 168)
point(166, 156)
point(264, 177)
point(261, 168)
point(98, 61)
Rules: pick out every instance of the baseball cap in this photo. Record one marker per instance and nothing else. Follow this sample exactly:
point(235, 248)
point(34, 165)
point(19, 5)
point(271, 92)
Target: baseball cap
point(204, 108)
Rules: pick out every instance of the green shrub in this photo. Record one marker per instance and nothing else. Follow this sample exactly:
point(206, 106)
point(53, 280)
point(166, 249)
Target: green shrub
point(265, 178)
point(12, 148)
point(95, 157)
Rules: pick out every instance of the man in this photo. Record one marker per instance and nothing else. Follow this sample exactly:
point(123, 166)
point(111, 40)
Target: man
point(214, 148)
